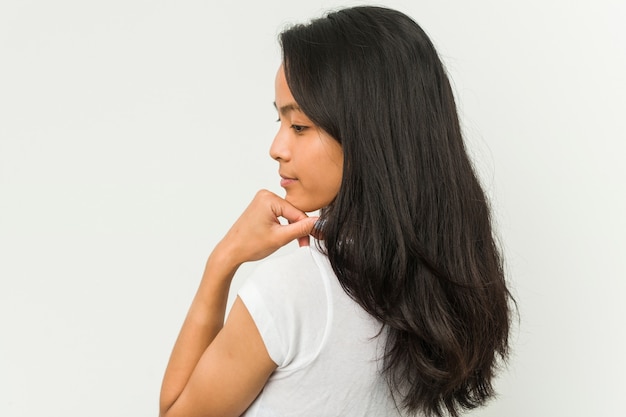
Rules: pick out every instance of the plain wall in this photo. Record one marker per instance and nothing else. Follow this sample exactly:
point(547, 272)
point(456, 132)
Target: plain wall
point(133, 133)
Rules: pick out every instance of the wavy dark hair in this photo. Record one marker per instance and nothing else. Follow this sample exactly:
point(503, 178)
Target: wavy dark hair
point(409, 234)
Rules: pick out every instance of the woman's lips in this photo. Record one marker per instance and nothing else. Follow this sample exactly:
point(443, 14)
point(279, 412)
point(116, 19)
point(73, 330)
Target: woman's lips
point(285, 182)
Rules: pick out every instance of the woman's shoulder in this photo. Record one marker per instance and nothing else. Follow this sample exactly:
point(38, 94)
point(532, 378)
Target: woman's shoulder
point(287, 298)
point(305, 265)
point(288, 262)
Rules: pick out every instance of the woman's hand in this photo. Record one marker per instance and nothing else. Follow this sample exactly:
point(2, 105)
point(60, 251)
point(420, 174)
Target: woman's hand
point(258, 233)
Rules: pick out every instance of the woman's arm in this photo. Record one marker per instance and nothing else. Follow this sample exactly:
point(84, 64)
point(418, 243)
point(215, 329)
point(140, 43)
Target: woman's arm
point(216, 368)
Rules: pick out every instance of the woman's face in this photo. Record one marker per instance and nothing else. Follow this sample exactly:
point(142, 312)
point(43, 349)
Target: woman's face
point(311, 161)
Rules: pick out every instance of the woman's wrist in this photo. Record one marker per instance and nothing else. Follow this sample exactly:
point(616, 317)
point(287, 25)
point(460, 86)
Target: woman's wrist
point(223, 261)
point(210, 301)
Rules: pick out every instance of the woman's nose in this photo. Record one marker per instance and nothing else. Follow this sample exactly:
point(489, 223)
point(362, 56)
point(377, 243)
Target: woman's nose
point(280, 149)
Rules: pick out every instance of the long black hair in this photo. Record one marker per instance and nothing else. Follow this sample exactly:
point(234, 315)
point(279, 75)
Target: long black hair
point(409, 234)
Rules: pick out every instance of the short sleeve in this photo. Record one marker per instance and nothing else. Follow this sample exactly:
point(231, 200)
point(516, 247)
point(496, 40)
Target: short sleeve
point(288, 301)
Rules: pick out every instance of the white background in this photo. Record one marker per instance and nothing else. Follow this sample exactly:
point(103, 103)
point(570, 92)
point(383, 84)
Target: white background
point(133, 133)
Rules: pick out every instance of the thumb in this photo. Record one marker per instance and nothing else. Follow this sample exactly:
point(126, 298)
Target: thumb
point(300, 230)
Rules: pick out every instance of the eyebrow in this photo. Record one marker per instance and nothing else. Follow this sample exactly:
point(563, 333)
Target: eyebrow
point(283, 110)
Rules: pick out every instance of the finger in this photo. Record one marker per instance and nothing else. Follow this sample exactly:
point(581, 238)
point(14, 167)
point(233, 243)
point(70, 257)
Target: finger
point(284, 209)
point(304, 241)
point(298, 230)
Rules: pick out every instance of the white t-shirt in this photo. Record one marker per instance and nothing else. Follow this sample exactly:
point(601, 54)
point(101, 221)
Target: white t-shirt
point(325, 345)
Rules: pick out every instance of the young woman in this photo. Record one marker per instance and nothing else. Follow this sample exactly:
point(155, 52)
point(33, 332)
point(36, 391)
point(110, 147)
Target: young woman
point(399, 305)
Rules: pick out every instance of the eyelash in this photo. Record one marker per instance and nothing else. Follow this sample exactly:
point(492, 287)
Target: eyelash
point(296, 128)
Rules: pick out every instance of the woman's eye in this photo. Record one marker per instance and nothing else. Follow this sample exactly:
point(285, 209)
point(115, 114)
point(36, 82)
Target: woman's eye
point(298, 128)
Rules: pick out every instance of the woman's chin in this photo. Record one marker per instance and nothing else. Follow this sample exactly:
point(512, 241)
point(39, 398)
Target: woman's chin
point(305, 206)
